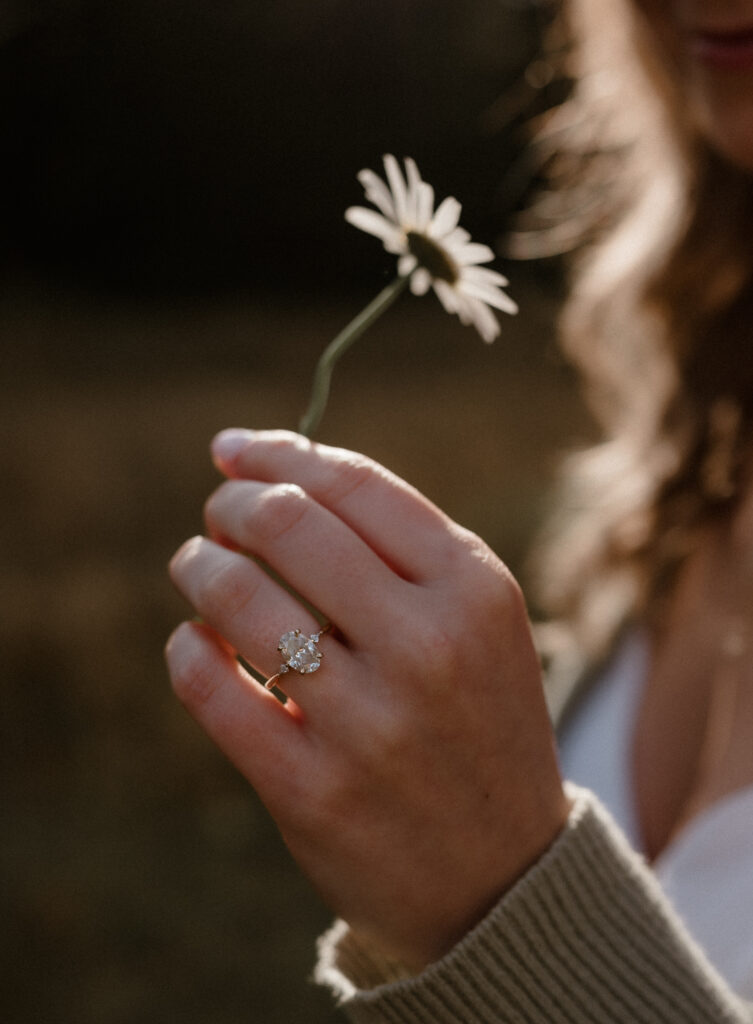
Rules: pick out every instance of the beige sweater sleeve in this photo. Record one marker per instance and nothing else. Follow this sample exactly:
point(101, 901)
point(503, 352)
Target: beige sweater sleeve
point(586, 937)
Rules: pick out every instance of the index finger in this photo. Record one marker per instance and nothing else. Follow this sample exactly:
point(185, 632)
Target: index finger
point(404, 528)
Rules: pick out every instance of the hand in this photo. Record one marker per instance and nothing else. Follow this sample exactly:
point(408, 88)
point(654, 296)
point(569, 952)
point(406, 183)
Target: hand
point(413, 776)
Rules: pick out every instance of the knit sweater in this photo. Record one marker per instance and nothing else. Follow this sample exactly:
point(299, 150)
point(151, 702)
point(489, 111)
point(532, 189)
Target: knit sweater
point(585, 937)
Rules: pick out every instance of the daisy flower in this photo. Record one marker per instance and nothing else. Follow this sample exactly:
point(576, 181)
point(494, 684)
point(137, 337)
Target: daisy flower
point(433, 250)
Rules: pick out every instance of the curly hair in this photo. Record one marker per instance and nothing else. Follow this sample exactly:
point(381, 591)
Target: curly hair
point(659, 323)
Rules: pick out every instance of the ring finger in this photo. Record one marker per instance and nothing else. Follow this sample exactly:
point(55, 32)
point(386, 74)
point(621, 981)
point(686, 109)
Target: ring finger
point(240, 600)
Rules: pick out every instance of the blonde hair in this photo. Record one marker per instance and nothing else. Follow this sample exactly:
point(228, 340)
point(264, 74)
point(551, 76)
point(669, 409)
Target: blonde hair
point(659, 308)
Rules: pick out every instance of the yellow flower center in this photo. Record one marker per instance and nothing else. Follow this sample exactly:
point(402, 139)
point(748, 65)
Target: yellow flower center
point(433, 257)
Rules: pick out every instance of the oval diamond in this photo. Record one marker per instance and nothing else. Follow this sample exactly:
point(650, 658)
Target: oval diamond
point(299, 652)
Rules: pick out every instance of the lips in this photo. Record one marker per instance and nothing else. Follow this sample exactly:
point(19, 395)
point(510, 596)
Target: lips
point(731, 49)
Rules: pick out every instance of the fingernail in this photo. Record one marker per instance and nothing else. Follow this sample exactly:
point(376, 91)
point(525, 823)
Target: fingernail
point(226, 445)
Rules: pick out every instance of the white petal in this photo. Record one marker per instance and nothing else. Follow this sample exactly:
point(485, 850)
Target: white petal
point(490, 295)
point(406, 264)
point(446, 218)
point(483, 275)
point(412, 173)
point(456, 238)
point(474, 252)
point(378, 193)
point(398, 188)
point(375, 224)
point(484, 321)
point(464, 308)
point(414, 188)
point(446, 295)
point(424, 207)
point(420, 281)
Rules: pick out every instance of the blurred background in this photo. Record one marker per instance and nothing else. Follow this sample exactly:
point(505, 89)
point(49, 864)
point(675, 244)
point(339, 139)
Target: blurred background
point(173, 258)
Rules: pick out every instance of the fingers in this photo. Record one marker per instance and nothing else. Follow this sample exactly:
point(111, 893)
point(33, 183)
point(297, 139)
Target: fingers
point(260, 736)
point(238, 598)
point(312, 549)
point(405, 529)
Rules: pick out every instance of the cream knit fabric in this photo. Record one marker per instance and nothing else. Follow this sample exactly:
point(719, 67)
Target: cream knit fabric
point(586, 937)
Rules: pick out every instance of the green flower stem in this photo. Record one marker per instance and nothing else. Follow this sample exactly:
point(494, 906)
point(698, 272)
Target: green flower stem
point(323, 373)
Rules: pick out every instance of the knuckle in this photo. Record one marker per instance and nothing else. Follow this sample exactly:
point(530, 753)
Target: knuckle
point(490, 587)
point(280, 441)
point(506, 599)
point(470, 549)
point(348, 474)
point(194, 682)
point(274, 448)
point(226, 592)
point(278, 511)
point(440, 650)
point(433, 648)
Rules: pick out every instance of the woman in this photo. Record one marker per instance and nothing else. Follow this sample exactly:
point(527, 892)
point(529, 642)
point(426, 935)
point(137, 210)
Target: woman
point(417, 782)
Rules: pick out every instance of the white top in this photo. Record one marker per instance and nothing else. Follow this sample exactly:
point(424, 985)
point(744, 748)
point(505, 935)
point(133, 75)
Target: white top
point(707, 871)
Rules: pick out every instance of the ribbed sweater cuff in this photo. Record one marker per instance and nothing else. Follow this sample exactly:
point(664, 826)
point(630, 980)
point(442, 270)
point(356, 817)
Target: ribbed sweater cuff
point(585, 937)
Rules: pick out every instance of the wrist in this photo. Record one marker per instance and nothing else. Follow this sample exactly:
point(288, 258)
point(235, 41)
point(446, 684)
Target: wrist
point(429, 930)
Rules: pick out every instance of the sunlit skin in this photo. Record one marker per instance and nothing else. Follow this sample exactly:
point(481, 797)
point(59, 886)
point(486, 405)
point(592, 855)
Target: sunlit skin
point(712, 43)
point(414, 777)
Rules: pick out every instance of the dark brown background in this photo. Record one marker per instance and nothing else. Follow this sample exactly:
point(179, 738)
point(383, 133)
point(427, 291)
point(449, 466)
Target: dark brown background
point(173, 260)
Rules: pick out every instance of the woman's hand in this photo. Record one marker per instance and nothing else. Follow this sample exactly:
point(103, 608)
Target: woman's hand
point(413, 776)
